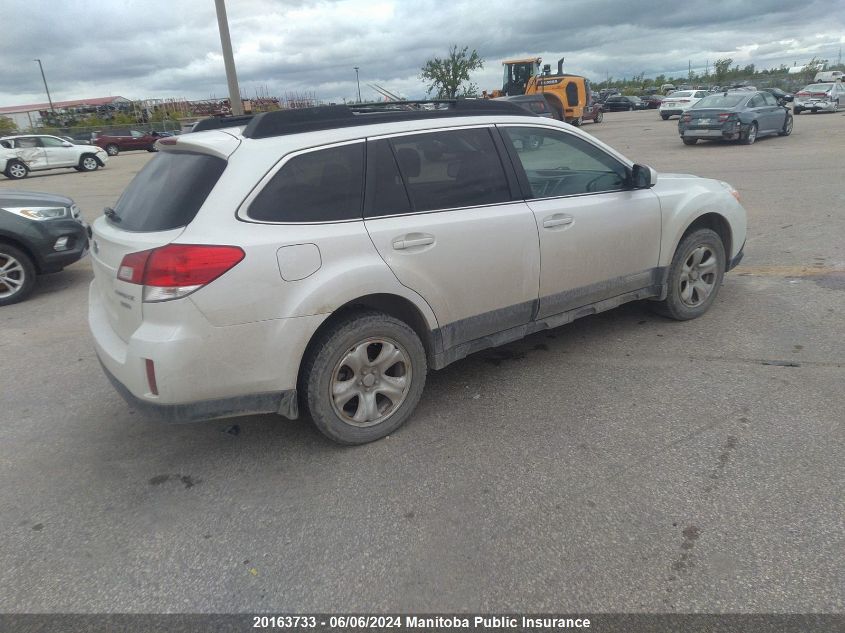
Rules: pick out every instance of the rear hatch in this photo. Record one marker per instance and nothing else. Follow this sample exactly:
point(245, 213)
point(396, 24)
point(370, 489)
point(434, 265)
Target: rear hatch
point(153, 211)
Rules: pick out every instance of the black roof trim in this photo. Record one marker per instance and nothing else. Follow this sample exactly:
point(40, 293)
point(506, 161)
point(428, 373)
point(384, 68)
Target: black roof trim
point(220, 122)
point(283, 122)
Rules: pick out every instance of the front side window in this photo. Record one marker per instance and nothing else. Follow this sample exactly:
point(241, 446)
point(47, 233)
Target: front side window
point(325, 185)
point(447, 170)
point(49, 141)
point(136, 134)
point(769, 99)
point(560, 164)
point(756, 102)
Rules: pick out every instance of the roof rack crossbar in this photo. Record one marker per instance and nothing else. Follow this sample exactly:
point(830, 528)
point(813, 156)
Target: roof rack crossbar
point(284, 122)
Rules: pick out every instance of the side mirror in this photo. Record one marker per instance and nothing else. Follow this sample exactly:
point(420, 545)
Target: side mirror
point(643, 177)
point(67, 144)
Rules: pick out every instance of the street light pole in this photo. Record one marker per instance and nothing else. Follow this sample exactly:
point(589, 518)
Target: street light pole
point(359, 84)
point(52, 109)
point(228, 59)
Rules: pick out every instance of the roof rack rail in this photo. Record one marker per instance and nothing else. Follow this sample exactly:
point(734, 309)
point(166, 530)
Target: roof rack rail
point(220, 122)
point(283, 122)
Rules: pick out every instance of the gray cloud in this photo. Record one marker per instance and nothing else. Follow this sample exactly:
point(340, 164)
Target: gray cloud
point(157, 48)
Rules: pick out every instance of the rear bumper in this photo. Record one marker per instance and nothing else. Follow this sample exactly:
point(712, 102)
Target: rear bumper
point(815, 107)
point(284, 402)
point(201, 371)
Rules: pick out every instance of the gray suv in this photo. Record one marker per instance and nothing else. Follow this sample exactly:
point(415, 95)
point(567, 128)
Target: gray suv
point(326, 259)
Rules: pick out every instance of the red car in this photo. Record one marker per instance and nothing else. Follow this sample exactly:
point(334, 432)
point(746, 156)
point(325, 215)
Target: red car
point(593, 112)
point(116, 141)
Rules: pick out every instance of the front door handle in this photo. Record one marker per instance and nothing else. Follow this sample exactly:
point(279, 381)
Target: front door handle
point(410, 241)
point(558, 219)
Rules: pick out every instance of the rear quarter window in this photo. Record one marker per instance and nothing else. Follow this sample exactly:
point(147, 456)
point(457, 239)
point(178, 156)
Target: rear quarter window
point(168, 192)
point(325, 185)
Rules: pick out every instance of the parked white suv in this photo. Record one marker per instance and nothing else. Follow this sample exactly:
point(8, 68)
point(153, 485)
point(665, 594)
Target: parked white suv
point(329, 259)
point(22, 154)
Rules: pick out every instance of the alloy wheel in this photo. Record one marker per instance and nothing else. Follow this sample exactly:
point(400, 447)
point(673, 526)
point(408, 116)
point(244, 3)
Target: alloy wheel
point(698, 276)
point(370, 382)
point(89, 164)
point(12, 275)
point(16, 170)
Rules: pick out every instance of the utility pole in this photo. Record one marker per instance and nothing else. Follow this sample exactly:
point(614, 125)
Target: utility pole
point(357, 81)
point(228, 59)
point(52, 109)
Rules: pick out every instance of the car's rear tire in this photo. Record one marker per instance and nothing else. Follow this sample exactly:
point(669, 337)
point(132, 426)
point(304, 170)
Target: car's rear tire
point(665, 117)
point(695, 275)
point(363, 377)
point(17, 274)
point(577, 121)
point(599, 117)
point(796, 111)
point(87, 162)
point(787, 127)
point(112, 149)
point(689, 141)
point(15, 170)
point(750, 136)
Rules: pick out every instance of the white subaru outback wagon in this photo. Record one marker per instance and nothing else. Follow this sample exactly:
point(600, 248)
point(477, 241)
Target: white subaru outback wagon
point(327, 258)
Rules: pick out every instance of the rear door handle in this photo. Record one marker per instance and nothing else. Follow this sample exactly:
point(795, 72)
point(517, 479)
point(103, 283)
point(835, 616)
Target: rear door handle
point(558, 219)
point(409, 241)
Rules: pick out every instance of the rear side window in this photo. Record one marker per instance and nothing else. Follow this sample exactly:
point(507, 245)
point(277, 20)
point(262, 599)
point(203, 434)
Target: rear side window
point(167, 193)
point(447, 170)
point(325, 185)
point(385, 191)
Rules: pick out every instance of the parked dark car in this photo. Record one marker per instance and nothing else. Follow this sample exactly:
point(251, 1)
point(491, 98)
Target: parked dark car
point(535, 104)
point(781, 96)
point(622, 102)
point(116, 141)
point(39, 233)
point(652, 101)
point(735, 116)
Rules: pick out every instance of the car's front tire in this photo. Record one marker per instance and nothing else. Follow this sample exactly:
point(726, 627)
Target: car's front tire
point(787, 127)
point(363, 377)
point(695, 276)
point(88, 163)
point(796, 111)
point(17, 274)
point(15, 170)
point(663, 116)
point(599, 117)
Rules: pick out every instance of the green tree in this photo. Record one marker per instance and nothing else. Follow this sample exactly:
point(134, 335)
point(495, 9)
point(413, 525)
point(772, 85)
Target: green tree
point(721, 67)
point(7, 126)
point(448, 77)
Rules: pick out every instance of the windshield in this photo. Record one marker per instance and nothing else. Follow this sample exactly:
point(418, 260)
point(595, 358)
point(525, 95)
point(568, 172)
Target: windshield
point(682, 93)
point(721, 101)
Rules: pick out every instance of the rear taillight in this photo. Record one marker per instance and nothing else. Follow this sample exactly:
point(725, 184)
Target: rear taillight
point(818, 94)
point(682, 100)
point(726, 116)
point(802, 94)
point(176, 270)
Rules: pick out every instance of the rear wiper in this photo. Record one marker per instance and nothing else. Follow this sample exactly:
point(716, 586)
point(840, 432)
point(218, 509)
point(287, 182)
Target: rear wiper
point(111, 214)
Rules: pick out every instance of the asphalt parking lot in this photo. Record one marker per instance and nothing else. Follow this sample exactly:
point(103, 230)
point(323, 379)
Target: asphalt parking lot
point(621, 463)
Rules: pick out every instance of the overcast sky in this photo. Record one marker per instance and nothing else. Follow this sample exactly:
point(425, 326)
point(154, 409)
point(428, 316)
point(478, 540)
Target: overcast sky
point(171, 48)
